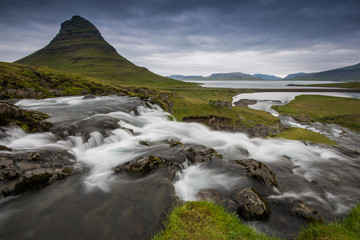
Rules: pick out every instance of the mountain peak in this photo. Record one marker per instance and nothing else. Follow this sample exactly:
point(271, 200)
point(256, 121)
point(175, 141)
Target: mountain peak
point(77, 28)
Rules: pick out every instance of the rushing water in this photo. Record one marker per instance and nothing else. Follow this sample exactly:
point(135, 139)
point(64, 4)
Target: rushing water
point(98, 204)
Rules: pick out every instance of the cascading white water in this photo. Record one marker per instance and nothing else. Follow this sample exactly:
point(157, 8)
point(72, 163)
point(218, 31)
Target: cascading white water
point(317, 174)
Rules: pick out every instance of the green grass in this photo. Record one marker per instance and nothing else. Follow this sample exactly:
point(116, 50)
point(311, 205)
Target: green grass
point(353, 85)
point(325, 109)
point(348, 229)
point(305, 135)
point(22, 81)
point(205, 220)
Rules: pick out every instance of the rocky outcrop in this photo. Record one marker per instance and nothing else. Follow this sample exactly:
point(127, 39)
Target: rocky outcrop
point(255, 169)
point(30, 121)
point(171, 160)
point(27, 171)
point(251, 205)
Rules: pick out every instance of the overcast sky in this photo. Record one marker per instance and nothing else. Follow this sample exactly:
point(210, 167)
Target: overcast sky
point(199, 36)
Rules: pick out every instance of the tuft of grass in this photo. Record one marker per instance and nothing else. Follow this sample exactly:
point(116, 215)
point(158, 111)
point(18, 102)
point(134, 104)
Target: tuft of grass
point(325, 109)
point(206, 220)
point(348, 229)
point(305, 135)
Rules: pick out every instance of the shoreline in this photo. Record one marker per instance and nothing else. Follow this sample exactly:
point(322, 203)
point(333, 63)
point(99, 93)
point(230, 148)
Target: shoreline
point(302, 90)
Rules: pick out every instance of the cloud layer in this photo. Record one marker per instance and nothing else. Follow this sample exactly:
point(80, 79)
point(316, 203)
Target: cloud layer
point(199, 37)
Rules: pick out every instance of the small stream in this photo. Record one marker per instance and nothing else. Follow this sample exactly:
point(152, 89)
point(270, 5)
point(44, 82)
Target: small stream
point(103, 132)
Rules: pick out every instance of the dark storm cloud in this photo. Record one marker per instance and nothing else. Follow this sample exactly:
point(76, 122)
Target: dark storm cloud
point(140, 28)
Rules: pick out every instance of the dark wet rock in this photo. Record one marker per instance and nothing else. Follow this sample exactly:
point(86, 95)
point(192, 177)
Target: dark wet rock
point(144, 143)
point(199, 154)
point(251, 205)
point(30, 121)
point(32, 183)
point(4, 148)
point(147, 164)
point(209, 194)
point(230, 205)
point(26, 171)
point(89, 96)
point(300, 209)
point(255, 169)
point(174, 143)
point(244, 102)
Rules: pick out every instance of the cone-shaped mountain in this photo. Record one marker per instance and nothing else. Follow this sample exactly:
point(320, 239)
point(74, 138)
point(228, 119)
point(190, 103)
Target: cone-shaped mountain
point(80, 48)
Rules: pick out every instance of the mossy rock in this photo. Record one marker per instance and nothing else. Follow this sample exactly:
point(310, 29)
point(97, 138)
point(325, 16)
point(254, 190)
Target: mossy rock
point(32, 183)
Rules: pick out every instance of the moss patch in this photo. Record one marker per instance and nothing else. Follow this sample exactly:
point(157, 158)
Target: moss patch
point(32, 183)
point(206, 220)
point(304, 135)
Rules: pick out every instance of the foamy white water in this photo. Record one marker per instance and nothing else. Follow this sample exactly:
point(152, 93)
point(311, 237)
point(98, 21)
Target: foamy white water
point(324, 177)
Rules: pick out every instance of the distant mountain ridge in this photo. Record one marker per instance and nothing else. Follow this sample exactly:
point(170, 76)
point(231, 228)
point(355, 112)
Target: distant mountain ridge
point(80, 48)
point(291, 76)
point(266, 76)
point(345, 73)
point(227, 76)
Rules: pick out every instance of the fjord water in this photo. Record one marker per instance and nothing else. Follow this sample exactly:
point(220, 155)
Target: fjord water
point(103, 132)
point(263, 84)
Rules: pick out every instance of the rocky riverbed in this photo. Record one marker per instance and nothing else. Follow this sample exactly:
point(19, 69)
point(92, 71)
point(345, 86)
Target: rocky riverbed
point(119, 164)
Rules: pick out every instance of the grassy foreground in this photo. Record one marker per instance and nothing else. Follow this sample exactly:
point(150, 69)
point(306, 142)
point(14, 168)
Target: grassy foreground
point(209, 221)
point(325, 109)
point(348, 229)
point(205, 220)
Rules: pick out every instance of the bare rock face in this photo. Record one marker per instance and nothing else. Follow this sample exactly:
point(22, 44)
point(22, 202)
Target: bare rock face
point(255, 169)
point(251, 205)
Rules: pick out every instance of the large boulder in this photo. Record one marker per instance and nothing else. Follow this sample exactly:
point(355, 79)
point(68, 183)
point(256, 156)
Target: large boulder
point(255, 169)
point(251, 205)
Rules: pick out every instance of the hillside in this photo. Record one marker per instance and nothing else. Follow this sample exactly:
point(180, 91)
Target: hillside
point(22, 81)
point(80, 48)
point(345, 73)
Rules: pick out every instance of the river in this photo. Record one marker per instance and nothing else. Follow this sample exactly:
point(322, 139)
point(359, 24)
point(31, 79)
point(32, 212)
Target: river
point(103, 132)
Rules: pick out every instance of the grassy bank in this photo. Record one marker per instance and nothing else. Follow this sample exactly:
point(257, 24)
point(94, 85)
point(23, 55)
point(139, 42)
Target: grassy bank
point(325, 109)
point(347, 229)
point(304, 135)
point(352, 85)
point(206, 220)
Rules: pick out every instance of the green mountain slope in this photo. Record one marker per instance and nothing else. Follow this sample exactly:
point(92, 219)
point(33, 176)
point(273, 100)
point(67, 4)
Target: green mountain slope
point(80, 48)
point(22, 81)
point(345, 73)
